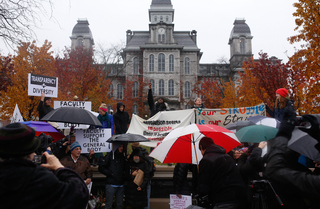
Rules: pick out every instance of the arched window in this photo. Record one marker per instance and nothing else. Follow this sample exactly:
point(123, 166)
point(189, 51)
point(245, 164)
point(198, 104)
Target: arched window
point(152, 86)
point(242, 46)
point(135, 109)
point(80, 42)
point(161, 87)
point(171, 63)
point(119, 91)
point(135, 65)
point(135, 89)
point(171, 88)
point(187, 65)
point(151, 63)
point(187, 89)
point(161, 62)
point(110, 93)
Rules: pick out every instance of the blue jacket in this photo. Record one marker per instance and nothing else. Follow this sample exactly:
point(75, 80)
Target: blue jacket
point(104, 124)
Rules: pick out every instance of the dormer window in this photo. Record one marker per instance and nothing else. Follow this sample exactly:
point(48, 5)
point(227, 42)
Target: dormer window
point(161, 18)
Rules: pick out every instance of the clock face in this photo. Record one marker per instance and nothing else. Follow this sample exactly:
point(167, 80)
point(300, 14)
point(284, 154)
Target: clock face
point(161, 30)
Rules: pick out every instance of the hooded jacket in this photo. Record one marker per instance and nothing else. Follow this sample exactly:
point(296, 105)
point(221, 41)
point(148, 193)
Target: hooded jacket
point(121, 119)
point(219, 178)
point(24, 184)
point(156, 107)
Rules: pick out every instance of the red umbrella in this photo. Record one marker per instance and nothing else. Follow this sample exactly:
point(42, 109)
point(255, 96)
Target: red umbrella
point(181, 144)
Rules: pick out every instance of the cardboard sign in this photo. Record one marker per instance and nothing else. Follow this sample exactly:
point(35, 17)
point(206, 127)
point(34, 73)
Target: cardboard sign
point(94, 139)
point(180, 203)
point(16, 117)
point(80, 104)
point(38, 84)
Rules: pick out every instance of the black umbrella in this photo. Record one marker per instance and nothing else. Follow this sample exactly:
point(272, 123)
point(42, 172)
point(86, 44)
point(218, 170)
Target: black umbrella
point(73, 115)
point(128, 138)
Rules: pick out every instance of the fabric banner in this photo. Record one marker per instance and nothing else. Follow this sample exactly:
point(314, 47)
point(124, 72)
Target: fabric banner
point(94, 139)
point(159, 126)
point(224, 116)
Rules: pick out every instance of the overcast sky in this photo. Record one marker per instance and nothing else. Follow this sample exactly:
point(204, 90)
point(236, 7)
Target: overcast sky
point(271, 23)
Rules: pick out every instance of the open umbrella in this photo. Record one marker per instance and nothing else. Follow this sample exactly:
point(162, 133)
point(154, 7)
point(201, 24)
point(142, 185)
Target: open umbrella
point(256, 133)
point(44, 127)
point(127, 138)
point(236, 126)
point(72, 115)
point(303, 143)
point(264, 120)
point(180, 145)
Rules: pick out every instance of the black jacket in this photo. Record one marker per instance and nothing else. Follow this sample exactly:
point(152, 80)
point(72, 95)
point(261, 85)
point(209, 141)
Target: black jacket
point(180, 179)
point(121, 119)
point(26, 185)
point(277, 113)
point(43, 109)
point(292, 179)
point(219, 177)
point(113, 166)
point(156, 107)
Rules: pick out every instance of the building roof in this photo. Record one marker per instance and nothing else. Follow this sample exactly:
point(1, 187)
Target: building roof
point(240, 28)
point(161, 2)
point(82, 29)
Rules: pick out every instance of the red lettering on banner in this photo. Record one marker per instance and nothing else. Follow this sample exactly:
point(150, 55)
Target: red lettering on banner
point(166, 128)
point(225, 111)
point(244, 110)
point(216, 122)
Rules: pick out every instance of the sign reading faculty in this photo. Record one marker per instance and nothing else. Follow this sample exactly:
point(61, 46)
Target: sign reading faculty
point(38, 84)
point(94, 139)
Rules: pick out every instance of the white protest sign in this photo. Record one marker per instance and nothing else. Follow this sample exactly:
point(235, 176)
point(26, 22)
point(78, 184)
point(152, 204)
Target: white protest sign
point(16, 117)
point(38, 84)
point(94, 139)
point(224, 116)
point(180, 203)
point(80, 104)
point(160, 125)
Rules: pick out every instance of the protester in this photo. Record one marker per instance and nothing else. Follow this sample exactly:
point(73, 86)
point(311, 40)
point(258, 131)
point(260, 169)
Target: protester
point(105, 119)
point(44, 106)
point(180, 179)
point(113, 166)
point(23, 184)
point(136, 196)
point(282, 101)
point(157, 106)
point(198, 103)
point(220, 184)
point(121, 119)
point(77, 162)
point(236, 155)
point(303, 183)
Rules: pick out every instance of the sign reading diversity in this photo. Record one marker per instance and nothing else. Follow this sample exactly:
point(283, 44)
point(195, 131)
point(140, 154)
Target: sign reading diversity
point(38, 84)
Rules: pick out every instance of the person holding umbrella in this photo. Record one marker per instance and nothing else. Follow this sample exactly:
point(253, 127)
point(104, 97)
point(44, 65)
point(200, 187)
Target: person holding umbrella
point(105, 119)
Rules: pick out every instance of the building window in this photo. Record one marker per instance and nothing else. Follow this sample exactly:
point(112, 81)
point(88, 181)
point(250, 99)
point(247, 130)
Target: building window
point(187, 65)
point(152, 86)
point(110, 93)
point(135, 89)
point(80, 42)
point(188, 106)
point(151, 63)
point(135, 65)
point(167, 18)
point(114, 70)
point(171, 88)
point(160, 38)
point(242, 46)
point(161, 62)
point(135, 109)
point(161, 18)
point(171, 63)
point(187, 89)
point(155, 18)
point(161, 87)
point(119, 91)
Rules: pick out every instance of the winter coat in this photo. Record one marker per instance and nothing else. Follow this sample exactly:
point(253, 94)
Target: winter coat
point(113, 166)
point(219, 178)
point(135, 198)
point(196, 107)
point(278, 112)
point(286, 178)
point(121, 119)
point(180, 180)
point(82, 166)
point(43, 109)
point(156, 107)
point(27, 185)
point(105, 124)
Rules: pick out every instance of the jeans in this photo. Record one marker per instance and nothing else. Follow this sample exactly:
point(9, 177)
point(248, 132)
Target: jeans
point(148, 194)
point(111, 191)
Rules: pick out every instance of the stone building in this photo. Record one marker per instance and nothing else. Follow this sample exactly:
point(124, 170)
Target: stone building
point(170, 59)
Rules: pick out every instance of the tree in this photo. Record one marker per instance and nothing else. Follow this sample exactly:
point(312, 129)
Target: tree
point(7, 70)
point(210, 90)
point(29, 59)
point(18, 18)
point(306, 61)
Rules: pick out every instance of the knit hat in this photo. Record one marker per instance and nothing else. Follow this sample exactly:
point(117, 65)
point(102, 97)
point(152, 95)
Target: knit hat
point(283, 92)
point(74, 145)
point(103, 107)
point(17, 140)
